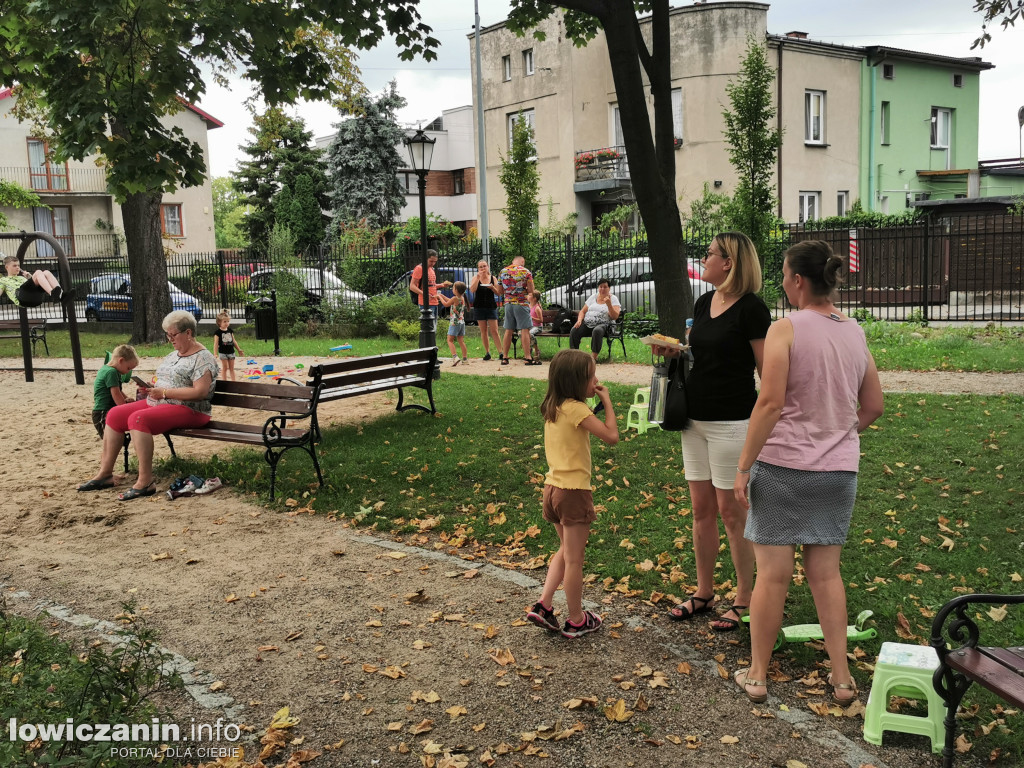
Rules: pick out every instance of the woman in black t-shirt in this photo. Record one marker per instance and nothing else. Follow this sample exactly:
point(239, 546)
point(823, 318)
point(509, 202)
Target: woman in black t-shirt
point(727, 342)
point(486, 288)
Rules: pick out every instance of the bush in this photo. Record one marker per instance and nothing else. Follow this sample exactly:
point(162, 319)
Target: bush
point(639, 325)
point(374, 316)
point(45, 680)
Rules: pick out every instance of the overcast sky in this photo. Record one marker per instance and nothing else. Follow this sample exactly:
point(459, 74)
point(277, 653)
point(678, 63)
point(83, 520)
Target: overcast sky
point(946, 27)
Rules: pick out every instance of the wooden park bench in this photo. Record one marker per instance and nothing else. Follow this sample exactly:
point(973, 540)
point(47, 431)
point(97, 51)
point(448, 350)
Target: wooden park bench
point(356, 376)
point(1000, 670)
point(550, 315)
point(11, 329)
point(292, 426)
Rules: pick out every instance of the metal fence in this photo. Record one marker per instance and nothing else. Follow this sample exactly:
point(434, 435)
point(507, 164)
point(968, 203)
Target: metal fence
point(966, 268)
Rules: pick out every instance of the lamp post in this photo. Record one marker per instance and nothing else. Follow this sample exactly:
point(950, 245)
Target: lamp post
point(421, 151)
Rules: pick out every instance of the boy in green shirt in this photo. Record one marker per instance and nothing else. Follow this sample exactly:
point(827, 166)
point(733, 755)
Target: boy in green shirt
point(106, 390)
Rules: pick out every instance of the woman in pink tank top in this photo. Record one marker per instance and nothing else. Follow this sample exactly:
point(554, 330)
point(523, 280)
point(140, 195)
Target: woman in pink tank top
point(799, 463)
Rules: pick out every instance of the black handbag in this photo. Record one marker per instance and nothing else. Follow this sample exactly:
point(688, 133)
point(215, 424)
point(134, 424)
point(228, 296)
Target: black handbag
point(677, 409)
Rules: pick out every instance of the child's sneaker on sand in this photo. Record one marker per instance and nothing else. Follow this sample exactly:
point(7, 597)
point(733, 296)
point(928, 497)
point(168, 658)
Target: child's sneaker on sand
point(591, 623)
point(209, 486)
point(543, 617)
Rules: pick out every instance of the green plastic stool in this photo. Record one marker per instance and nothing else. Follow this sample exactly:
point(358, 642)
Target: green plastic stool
point(642, 395)
point(637, 417)
point(905, 670)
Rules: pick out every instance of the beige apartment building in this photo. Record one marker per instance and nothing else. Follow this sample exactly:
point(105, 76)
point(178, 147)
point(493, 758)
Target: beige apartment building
point(568, 95)
point(80, 212)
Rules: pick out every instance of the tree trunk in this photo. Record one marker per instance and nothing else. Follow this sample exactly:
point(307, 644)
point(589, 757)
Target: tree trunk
point(151, 300)
point(651, 169)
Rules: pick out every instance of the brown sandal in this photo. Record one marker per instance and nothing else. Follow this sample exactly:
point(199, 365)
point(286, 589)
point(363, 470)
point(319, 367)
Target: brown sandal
point(761, 699)
point(850, 686)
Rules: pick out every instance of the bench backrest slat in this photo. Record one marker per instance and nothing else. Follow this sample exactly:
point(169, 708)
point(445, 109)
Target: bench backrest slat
point(419, 369)
point(375, 361)
point(291, 391)
point(278, 405)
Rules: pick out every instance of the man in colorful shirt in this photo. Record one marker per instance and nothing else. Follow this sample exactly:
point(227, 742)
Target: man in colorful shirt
point(517, 285)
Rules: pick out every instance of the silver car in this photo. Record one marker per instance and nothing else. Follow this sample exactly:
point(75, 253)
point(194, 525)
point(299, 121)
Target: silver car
point(632, 282)
point(332, 292)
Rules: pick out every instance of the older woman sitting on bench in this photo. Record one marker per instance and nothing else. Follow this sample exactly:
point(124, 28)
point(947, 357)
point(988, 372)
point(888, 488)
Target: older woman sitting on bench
point(180, 398)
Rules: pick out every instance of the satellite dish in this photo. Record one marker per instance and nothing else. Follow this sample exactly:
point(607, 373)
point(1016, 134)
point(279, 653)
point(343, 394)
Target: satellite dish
point(1020, 117)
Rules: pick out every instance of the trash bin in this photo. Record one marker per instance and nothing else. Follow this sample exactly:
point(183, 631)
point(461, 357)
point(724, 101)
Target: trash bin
point(266, 319)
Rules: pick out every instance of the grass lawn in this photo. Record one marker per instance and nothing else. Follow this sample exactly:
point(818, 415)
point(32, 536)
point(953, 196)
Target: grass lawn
point(940, 493)
point(896, 346)
point(938, 512)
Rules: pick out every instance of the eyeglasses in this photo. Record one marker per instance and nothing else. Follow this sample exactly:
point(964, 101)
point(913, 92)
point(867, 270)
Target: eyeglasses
point(172, 336)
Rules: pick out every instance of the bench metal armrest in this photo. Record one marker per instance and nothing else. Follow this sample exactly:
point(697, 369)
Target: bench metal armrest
point(961, 630)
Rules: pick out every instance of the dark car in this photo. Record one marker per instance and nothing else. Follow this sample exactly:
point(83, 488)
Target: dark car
point(110, 298)
point(451, 274)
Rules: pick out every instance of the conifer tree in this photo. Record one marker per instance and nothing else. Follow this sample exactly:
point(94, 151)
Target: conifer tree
point(363, 163)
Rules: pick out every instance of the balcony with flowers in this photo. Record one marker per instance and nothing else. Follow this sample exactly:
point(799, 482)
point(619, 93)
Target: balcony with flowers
point(606, 163)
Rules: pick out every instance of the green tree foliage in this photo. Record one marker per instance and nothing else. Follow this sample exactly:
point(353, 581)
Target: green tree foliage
point(640, 60)
point(521, 180)
point(280, 152)
point(753, 145)
point(229, 212)
point(363, 163)
point(307, 219)
point(1009, 10)
point(15, 196)
point(105, 77)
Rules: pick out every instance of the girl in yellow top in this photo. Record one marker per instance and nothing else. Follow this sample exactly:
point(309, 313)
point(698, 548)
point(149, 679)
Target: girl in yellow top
point(568, 499)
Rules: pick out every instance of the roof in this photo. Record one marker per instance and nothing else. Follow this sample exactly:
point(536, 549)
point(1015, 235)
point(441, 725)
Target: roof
point(966, 62)
point(210, 120)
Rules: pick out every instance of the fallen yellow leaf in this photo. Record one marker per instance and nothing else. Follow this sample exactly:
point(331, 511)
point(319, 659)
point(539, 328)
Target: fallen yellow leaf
point(617, 712)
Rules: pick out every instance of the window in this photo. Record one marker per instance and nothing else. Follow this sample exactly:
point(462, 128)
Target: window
point(406, 180)
point(958, 80)
point(885, 122)
point(170, 220)
point(528, 61)
point(888, 71)
point(56, 221)
point(941, 123)
point(506, 68)
point(528, 116)
point(459, 182)
point(810, 205)
point(44, 174)
point(814, 117)
point(842, 203)
point(677, 115)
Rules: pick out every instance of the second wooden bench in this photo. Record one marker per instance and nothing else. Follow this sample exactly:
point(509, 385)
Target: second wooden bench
point(356, 376)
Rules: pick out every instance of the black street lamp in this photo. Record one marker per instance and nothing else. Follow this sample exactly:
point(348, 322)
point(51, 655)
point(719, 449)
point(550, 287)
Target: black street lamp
point(421, 151)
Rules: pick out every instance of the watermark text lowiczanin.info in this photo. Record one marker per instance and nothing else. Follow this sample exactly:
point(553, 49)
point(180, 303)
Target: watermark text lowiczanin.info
point(153, 731)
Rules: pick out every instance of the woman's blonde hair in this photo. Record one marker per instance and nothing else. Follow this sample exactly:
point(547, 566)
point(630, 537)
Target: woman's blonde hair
point(745, 275)
point(180, 321)
point(569, 378)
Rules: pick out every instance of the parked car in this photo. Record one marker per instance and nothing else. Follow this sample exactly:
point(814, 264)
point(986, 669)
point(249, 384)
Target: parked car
point(451, 274)
point(333, 291)
point(632, 282)
point(110, 298)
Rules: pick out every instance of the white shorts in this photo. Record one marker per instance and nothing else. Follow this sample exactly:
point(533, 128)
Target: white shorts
point(711, 451)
